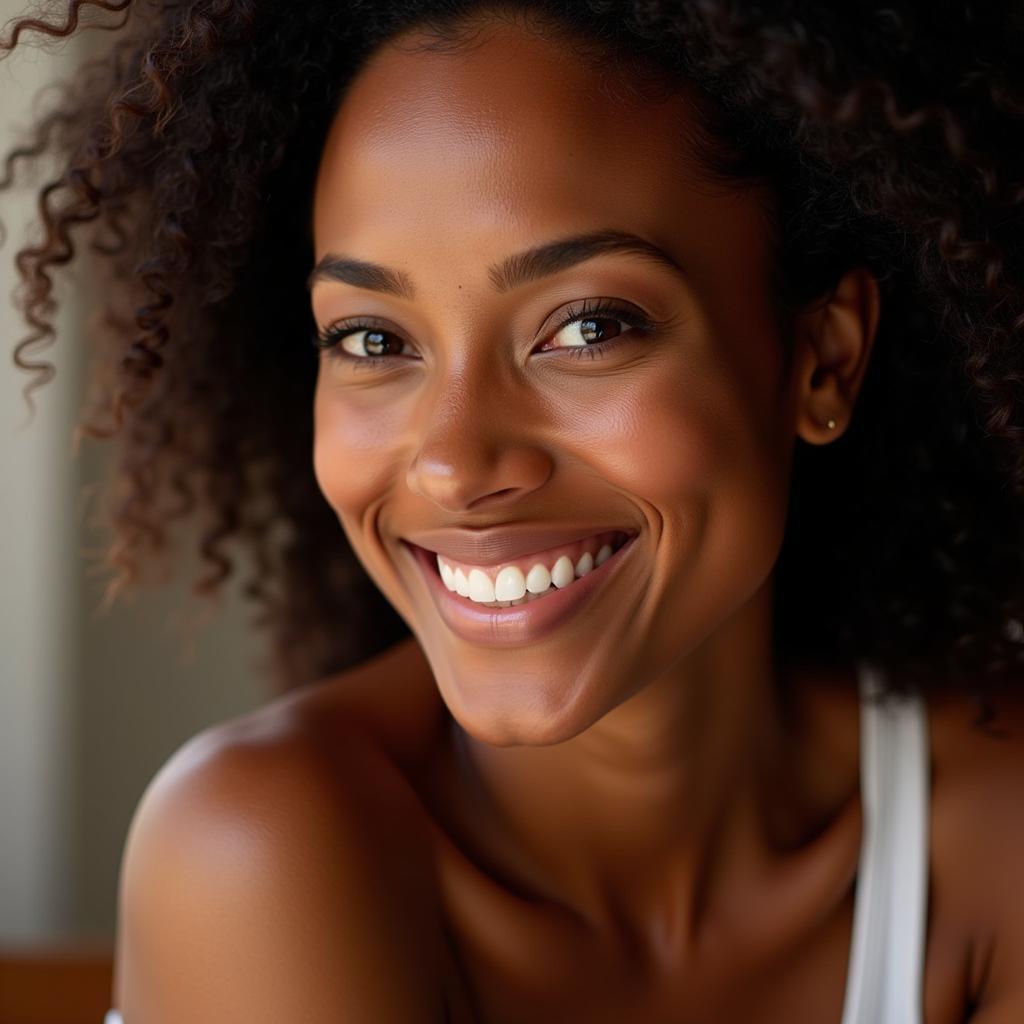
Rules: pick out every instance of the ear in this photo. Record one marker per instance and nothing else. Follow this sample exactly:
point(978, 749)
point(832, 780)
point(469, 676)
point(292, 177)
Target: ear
point(833, 346)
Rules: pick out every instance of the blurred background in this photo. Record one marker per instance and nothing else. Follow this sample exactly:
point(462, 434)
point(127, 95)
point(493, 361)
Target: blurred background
point(92, 702)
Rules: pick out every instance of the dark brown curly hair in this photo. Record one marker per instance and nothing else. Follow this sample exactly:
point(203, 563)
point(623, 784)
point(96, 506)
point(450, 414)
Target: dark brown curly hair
point(889, 131)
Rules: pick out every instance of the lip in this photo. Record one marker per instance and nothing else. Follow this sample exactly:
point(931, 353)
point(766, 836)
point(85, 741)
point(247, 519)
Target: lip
point(517, 625)
point(498, 544)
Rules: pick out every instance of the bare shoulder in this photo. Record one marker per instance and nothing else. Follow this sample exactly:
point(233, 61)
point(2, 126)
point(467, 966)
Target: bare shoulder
point(277, 867)
point(391, 698)
point(977, 836)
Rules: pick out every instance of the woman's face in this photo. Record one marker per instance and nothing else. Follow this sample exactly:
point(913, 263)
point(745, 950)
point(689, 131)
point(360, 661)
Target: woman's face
point(487, 418)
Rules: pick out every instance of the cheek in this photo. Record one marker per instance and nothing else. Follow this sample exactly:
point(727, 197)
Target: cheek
point(658, 436)
point(694, 450)
point(355, 447)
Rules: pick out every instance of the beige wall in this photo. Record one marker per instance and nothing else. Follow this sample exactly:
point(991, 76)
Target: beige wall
point(36, 596)
point(90, 704)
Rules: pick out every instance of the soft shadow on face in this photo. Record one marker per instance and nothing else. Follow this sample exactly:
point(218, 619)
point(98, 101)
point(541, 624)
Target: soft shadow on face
point(439, 165)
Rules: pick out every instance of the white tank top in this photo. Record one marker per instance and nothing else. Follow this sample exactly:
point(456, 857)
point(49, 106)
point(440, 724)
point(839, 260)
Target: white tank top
point(886, 967)
point(885, 978)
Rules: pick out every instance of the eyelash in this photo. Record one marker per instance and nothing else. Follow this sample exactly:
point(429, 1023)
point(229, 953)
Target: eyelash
point(331, 337)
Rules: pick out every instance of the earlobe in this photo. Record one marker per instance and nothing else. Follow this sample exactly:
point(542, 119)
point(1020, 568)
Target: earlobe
point(834, 343)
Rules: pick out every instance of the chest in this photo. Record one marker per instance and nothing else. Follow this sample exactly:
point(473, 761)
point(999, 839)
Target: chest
point(515, 955)
point(511, 959)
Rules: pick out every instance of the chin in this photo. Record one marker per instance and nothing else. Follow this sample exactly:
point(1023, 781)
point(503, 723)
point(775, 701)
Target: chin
point(524, 710)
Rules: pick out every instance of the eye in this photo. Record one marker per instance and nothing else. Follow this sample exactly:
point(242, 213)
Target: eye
point(586, 331)
point(371, 342)
point(596, 324)
point(360, 342)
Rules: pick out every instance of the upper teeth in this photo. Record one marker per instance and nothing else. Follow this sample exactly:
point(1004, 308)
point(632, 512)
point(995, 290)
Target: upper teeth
point(509, 583)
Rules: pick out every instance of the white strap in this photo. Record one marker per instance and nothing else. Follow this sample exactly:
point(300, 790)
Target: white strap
point(886, 966)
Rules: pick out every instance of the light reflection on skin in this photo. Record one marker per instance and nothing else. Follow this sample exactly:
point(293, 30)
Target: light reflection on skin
point(660, 694)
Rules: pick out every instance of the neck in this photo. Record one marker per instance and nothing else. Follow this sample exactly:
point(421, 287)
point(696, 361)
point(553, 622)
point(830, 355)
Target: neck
point(703, 775)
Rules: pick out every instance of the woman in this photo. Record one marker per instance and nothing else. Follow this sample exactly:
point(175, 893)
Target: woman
point(641, 546)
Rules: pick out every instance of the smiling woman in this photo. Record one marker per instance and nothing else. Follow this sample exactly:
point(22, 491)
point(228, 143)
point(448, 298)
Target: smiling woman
point(640, 536)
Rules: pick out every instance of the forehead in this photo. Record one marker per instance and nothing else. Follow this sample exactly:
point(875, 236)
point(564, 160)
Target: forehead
point(514, 135)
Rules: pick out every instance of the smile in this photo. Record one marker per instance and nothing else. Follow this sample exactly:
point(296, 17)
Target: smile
point(550, 586)
point(530, 578)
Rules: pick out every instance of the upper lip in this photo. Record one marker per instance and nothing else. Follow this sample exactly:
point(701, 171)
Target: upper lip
point(502, 543)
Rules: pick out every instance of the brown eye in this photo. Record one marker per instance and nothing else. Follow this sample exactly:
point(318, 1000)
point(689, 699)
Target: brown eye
point(371, 342)
point(597, 326)
point(588, 330)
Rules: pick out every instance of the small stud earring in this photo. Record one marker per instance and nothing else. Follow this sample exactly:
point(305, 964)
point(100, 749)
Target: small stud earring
point(831, 424)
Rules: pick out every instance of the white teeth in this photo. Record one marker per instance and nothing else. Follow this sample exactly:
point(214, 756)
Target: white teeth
point(481, 588)
point(510, 584)
point(511, 587)
point(539, 579)
point(563, 572)
point(446, 573)
point(525, 599)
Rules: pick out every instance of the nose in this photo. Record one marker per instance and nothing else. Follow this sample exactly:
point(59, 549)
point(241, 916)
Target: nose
point(476, 451)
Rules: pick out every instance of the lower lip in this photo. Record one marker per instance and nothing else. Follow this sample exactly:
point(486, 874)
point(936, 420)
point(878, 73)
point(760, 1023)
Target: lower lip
point(519, 624)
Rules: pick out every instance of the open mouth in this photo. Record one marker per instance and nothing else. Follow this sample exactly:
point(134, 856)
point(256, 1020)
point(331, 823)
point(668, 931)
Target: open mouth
point(487, 614)
point(531, 578)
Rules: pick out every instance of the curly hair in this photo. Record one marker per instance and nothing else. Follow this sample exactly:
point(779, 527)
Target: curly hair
point(890, 133)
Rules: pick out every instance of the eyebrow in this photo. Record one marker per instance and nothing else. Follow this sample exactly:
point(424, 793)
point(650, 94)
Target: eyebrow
point(507, 274)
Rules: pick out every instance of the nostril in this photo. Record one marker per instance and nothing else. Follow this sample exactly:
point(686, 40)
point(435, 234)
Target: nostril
point(491, 496)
